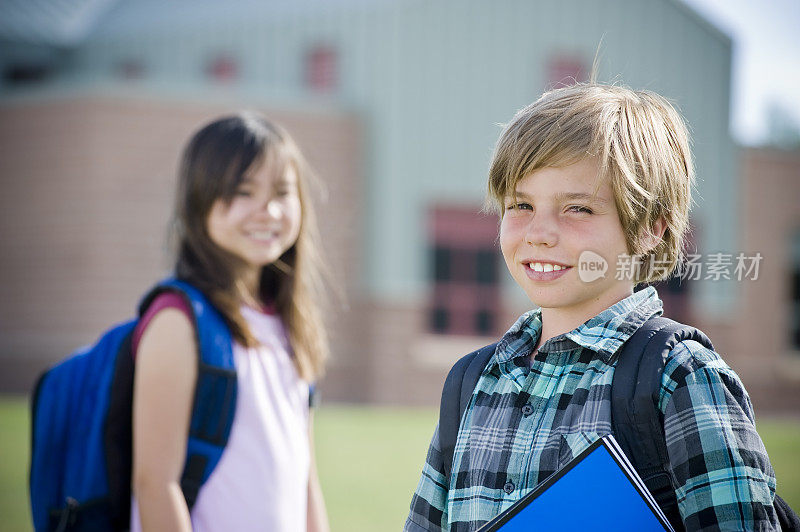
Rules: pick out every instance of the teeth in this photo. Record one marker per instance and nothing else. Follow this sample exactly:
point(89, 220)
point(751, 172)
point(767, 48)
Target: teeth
point(263, 235)
point(545, 267)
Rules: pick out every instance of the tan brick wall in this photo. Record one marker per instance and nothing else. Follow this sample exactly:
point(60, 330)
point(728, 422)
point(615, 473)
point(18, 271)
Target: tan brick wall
point(87, 188)
point(771, 215)
point(755, 341)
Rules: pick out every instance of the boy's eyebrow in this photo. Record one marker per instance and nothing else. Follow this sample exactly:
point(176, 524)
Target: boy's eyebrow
point(567, 196)
point(571, 196)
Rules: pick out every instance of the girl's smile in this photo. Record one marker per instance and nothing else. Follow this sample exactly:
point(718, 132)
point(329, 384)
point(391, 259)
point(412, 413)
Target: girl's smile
point(264, 237)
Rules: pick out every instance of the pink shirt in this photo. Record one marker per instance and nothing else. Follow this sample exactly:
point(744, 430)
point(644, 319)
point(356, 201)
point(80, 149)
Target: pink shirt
point(261, 481)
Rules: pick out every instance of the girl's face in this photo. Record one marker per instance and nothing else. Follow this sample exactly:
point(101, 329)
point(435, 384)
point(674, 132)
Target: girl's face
point(262, 220)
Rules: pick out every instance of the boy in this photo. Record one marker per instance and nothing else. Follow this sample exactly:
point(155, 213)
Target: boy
point(587, 171)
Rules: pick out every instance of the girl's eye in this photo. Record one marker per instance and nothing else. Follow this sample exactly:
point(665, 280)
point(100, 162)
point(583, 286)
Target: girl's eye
point(580, 209)
point(284, 188)
point(243, 192)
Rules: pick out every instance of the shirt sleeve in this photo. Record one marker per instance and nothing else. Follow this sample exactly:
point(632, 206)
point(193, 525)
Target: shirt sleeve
point(429, 503)
point(722, 474)
point(162, 301)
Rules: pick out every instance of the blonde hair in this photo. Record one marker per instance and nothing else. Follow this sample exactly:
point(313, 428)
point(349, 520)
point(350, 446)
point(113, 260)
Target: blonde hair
point(215, 162)
point(642, 145)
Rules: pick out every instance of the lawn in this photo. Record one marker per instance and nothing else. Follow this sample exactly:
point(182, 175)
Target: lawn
point(369, 461)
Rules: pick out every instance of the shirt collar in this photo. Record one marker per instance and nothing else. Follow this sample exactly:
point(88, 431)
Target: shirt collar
point(603, 334)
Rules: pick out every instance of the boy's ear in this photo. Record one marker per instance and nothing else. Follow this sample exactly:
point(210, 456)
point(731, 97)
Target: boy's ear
point(650, 239)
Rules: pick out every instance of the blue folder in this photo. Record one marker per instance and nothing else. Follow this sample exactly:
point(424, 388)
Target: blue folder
point(596, 490)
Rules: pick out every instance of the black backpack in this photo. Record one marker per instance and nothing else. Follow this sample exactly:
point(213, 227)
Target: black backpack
point(636, 422)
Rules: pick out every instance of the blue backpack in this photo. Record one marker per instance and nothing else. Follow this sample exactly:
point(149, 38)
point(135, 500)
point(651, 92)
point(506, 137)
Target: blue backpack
point(80, 476)
point(636, 422)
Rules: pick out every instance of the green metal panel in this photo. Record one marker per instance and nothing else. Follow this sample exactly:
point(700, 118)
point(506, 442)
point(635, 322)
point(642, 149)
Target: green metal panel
point(432, 80)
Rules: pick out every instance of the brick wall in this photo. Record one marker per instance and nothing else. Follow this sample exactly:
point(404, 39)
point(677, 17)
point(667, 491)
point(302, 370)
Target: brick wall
point(87, 191)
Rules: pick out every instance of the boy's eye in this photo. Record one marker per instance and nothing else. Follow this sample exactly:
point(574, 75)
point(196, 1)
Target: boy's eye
point(580, 209)
point(521, 206)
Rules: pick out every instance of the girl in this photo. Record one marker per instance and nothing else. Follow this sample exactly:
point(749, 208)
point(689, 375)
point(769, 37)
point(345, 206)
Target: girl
point(245, 234)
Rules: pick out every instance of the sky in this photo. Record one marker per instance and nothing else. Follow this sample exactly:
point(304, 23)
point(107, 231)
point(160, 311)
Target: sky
point(766, 60)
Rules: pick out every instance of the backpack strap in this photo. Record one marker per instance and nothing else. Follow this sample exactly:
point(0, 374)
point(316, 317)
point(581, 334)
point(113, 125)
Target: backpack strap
point(788, 518)
point(456, 394)
point(637, 423)
point(216, 389)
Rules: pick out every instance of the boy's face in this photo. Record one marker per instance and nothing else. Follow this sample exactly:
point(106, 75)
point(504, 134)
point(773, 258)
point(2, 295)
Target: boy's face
point(557, 217)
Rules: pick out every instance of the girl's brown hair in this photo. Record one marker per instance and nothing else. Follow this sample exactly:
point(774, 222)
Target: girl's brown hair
point(214, 163)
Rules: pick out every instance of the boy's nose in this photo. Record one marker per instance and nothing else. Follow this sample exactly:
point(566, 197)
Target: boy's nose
point(541, 231)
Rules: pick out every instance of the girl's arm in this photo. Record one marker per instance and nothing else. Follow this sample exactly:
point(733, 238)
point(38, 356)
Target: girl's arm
point(166, 371)
point(317, 517)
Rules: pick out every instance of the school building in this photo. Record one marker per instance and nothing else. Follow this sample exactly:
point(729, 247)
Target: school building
point(397, 104)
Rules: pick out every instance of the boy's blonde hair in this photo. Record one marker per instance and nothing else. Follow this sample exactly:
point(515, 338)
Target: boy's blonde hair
point(642, 145)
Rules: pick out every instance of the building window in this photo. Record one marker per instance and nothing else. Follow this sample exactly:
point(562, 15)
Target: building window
point(564, 70)
point(484, 322)
point(441, 264)
point(486, 266)
point(222, 68)
point(439, 320)
point(130, 69)
point(25, 73)
point(464, 269)
point(321, 68)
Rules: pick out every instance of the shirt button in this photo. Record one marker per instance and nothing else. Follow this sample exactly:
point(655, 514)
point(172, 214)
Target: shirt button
point(509, 487)
point(527, 410)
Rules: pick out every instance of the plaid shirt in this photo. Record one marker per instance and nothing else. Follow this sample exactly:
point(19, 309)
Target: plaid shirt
point(527, 418)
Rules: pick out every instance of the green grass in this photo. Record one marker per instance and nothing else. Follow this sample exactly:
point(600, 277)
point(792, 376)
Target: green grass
point(782, 439)
point(369, 461)
point(14, 448)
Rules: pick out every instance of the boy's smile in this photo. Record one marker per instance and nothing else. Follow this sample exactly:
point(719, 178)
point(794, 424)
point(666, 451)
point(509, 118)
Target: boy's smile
point(540, 270)
point(559, 213)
